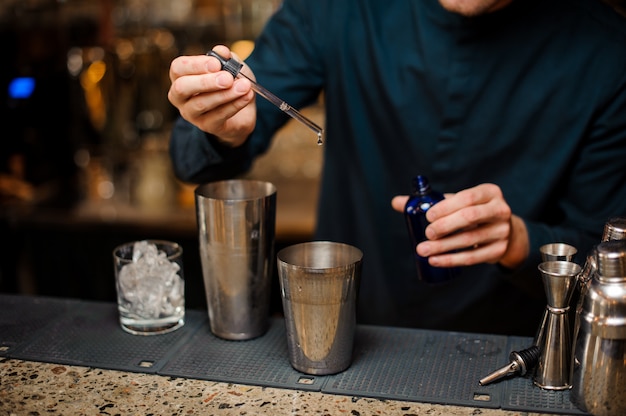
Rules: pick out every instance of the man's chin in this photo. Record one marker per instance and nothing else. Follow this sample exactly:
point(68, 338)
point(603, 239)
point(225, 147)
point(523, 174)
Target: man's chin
point(472, 8)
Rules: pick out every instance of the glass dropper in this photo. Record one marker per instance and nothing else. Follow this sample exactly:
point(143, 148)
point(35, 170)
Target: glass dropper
point(233, 67)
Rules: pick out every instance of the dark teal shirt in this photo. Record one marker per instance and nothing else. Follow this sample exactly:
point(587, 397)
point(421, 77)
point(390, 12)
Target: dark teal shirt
point(531, 98)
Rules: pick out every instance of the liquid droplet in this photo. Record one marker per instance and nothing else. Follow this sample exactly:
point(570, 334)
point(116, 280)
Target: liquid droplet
point(319, 139)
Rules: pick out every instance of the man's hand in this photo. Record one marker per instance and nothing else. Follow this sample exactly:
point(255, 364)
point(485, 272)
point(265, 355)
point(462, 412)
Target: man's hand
point(211, 99)
point(478, 223)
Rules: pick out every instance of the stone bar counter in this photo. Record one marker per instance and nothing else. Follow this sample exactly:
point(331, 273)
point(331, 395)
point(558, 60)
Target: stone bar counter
point(35, 388)
point(71, 357)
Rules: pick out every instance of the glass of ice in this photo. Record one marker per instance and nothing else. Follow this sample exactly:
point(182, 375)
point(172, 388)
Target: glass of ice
point(150, 286)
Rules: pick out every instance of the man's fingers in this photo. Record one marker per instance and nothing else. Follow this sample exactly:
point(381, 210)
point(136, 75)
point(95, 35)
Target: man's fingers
point(398, 202)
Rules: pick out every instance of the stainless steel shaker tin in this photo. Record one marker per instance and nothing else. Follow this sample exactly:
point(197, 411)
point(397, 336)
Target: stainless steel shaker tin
point(236, 229)
point(599, 367)
point(319, 285)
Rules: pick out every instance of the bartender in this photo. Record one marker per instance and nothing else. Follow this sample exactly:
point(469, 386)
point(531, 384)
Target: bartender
point(515, 109)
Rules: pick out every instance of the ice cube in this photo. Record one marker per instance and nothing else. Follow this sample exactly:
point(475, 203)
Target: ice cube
point(151, 284)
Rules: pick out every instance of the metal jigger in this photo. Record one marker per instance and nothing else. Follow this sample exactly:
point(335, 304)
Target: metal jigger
point(555, 342)
point(553, 252)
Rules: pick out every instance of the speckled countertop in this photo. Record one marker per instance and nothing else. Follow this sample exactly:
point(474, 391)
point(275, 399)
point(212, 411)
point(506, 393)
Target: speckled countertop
point(34, 388)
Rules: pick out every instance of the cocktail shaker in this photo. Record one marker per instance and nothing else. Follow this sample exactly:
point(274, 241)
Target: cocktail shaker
point(599, 364)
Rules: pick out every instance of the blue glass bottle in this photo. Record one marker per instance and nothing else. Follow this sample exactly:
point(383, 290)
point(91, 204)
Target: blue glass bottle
point(422, 198)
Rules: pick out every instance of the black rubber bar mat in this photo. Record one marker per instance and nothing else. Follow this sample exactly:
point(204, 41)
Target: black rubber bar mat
point(263, 361)
point(425, 366)
point(21, 317)
point(520, 394)
point(388, 363)
point(89, 334)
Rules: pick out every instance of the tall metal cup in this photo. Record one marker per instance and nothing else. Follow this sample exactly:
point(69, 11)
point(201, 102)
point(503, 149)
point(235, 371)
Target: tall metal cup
point(236, 227)
point(319, 286)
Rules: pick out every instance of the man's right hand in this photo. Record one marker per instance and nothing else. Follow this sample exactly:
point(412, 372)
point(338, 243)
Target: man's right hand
point(211, 99)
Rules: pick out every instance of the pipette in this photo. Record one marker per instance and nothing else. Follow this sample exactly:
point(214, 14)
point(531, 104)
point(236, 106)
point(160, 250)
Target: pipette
point(233, 67)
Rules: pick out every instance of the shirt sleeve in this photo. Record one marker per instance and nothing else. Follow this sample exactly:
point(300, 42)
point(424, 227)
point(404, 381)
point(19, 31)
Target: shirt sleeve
point(284, 62)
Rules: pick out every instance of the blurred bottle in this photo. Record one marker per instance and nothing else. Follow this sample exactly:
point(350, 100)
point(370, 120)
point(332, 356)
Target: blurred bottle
point(420, 201)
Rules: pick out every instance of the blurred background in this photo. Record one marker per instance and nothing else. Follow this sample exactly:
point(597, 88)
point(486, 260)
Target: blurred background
point(84, 132)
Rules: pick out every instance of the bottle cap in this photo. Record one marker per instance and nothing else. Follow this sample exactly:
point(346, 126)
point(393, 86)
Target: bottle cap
point(612, 261)
point(421, 184)
point(615, 229)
